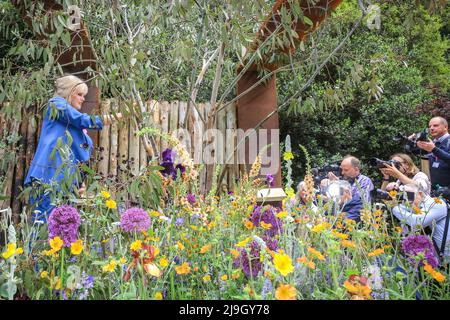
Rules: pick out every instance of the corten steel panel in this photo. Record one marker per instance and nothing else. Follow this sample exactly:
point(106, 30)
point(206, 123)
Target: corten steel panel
point(256, 105)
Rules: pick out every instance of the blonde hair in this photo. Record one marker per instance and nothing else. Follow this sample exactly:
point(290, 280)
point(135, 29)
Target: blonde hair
point(412, 169)
point(68, 85)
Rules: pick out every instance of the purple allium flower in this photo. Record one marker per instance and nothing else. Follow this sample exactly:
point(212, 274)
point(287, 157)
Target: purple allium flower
point(421, 244)
point(191, 198)
point(270, 180)
point(64, 222)
point(267, 214)
point(251, 265)
point(135, 219)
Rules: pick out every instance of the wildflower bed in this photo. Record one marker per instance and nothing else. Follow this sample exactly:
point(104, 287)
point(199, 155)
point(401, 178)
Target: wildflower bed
point(193, 246)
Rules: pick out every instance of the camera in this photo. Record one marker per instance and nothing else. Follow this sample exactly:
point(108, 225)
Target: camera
point(375, 162)
point(322, 172)
point(411, 144)
point(380, 195)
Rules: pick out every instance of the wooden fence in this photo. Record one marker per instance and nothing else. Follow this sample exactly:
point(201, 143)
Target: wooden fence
point(119, 148)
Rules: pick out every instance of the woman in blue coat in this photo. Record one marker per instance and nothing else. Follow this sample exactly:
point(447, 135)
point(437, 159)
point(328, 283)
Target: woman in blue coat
point(63, 145)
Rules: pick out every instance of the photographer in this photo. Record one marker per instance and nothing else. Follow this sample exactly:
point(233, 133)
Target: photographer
point(361, 186)
point(405, 171)
point(425, 211)
point(439, 152)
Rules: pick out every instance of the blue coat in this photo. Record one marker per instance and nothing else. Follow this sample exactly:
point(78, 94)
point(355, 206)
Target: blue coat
point(61, 121)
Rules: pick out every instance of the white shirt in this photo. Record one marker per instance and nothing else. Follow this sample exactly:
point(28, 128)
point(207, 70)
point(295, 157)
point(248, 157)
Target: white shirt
point(433, 216)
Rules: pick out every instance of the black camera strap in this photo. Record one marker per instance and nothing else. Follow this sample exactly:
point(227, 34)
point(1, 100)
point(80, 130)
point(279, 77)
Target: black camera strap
point(440, 251)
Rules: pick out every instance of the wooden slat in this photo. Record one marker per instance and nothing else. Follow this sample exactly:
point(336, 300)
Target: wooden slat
point(133, 154)
point(197, 135)
point(13, 129)
point(230, 145)
point(114, 144)
point(155, 110)
point(123, 147)
point(183, 132)
point(220, 145)
point(173, 117)
point(31, 139)
point(211, 152)
point(104, 142)
point(16, 205)
point(164, 119)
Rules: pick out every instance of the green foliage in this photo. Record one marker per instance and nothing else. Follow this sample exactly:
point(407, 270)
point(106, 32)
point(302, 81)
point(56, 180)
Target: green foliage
point(369, 92)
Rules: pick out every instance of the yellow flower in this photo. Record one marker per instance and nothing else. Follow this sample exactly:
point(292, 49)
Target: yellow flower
point(205, 248)
point(44, 274)
point(290, 193)
point(393, 193)
point(123, 260)
point(358, 290)
point(154, 213)
point(320, 227)
point(180, 245)
point(56, 243)
point(376, 252)
point(110, 267)
point(183, 269)
point(286, 292)
point(152, 270)
point(111, 204)
point(398, 230)
point(283, 263)
point(58, 283)
point(76, 247)
point(437, 200)
point(249, 225)
point(224, 277)
point(10, 250)
point(339, 235)
point(316, 253)
point(417, 210)
point(288, 156)
point(348, 244)
point(243, 243)
point(106, 194)
point(136, 245)
point(206, 278)
point(158, 296)
point(266, 226)
point(19, 251)
point(163, 262)
point(282, 214)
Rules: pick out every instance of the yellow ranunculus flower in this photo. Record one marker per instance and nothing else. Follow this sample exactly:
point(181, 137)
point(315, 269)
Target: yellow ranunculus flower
point(158, 296)
point(106, 194)
point(136, 245)
point(283, 263)
point(56, 243)
point(76, 247)
point(10, 250)
point(111, 204)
